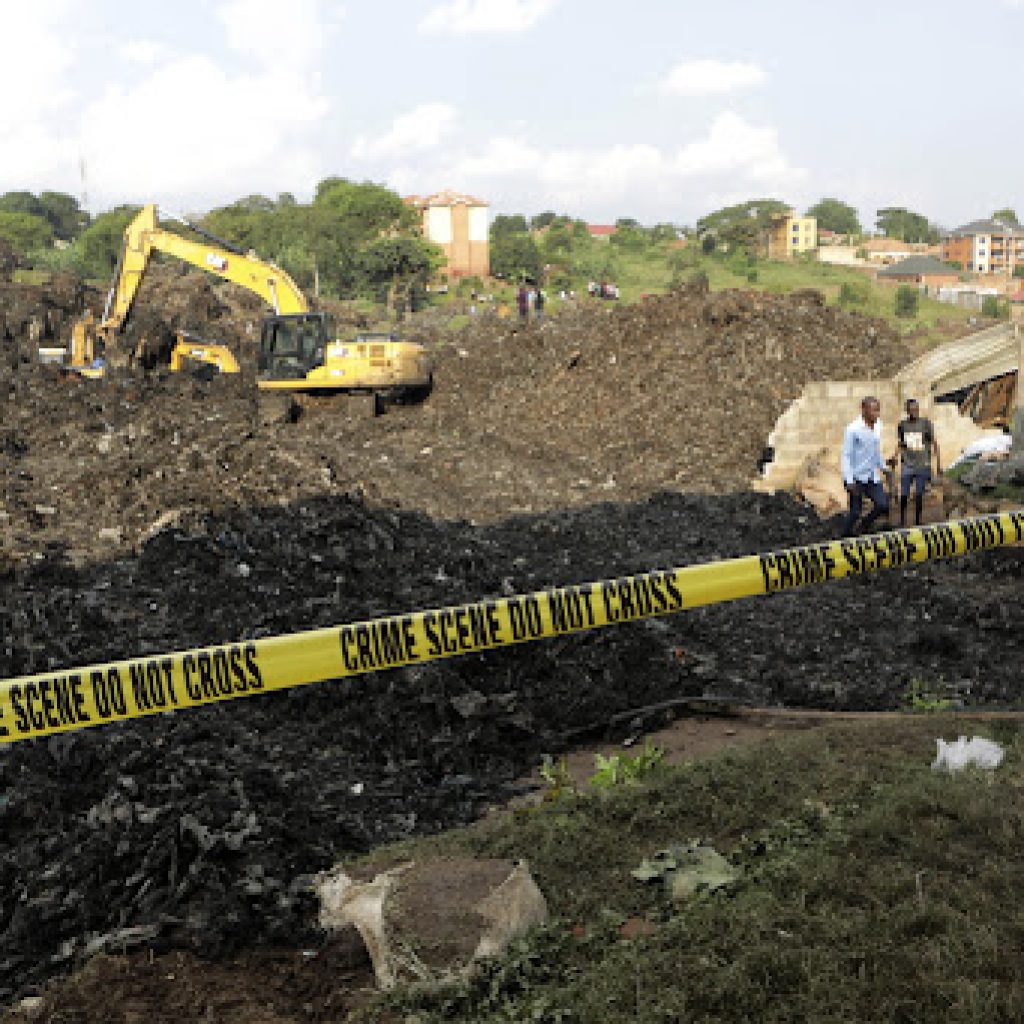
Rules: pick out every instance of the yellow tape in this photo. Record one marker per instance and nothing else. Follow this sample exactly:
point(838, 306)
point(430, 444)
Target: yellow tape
point(40, 705)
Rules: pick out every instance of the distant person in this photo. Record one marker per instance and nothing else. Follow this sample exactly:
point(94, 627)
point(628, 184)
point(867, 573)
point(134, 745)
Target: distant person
point(862, 467)
point(917, 441)
point(538, 303)
point(523, 302)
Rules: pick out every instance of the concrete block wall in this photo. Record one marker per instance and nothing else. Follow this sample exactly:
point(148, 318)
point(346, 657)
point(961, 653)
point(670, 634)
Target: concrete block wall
point(811, 428)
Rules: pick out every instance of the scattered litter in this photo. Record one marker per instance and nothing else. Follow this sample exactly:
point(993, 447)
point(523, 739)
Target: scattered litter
point(965, 752)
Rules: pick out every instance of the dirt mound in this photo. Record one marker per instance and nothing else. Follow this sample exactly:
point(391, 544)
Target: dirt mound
point(598, 403)
point(32, 315)
point(681, 390)
point(196, 830)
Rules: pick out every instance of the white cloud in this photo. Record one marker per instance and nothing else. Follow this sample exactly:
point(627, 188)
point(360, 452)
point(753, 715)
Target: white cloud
point(145, 52)
point(731, 146)
point(733, 155)
point(711, 77)
point(255, 28)
point(38, 55)
point(460, 17)
point(422, 128)
point(197, 129)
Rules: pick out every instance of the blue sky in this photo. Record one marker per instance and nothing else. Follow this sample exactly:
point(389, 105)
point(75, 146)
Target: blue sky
point(658, 110)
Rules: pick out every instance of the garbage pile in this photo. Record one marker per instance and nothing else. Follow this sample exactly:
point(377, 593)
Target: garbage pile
point(201, 830)
point(595, 404)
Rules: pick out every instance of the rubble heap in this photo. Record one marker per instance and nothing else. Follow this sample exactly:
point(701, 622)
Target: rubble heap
point(200, 829)
point(597, 403)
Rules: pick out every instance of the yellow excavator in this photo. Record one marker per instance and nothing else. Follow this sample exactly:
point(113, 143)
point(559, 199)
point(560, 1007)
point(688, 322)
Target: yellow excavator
point(299, 349)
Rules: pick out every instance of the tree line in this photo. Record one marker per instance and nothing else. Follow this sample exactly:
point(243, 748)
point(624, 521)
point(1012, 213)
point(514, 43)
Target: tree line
point(360, 239)
point(354, 239)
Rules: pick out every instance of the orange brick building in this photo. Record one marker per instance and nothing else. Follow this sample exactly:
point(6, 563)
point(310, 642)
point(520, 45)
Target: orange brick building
point(985, 247)
point(458, 224)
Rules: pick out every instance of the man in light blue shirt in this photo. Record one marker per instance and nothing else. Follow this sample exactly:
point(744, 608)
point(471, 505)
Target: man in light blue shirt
point(862, 467)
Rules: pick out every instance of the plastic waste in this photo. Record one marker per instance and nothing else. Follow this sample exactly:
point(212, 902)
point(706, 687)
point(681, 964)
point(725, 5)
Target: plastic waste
point(965, 752)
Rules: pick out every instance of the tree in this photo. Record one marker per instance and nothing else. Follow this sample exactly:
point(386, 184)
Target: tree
point(516, 257)
point(542, 220)
point(664, 232)
point(904, 225)
point(100, 244)
point(25, 231)
point(397, 264)
point(508, 224)
point(66, 217)
point(907, 300)
point(744, 225)
point(367, 209)
point(20, 202)
point(557, 243)
point(630, 235)
point(835, 215)
point(1008, 216)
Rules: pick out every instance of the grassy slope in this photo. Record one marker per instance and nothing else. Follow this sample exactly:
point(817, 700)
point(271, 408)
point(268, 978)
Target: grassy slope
point(650, 270)
point(873, 890)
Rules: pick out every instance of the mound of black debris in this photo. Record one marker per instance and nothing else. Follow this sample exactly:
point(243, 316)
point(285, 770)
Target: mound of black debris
point(200, 829)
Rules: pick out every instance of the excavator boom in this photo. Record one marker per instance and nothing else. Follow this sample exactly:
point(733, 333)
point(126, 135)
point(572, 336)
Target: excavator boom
point(144, 234)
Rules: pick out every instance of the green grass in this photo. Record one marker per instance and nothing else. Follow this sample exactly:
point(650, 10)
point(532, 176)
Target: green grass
point(872, 889)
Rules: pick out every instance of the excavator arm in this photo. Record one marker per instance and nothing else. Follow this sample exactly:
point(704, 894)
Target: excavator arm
point(144, 234)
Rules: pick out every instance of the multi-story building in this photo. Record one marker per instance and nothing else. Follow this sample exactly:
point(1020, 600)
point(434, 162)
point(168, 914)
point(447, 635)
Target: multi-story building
point(789, 234)
point(458, 224)
point(985, 247)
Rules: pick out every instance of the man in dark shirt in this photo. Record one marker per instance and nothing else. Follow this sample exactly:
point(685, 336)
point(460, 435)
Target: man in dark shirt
point(916, 443)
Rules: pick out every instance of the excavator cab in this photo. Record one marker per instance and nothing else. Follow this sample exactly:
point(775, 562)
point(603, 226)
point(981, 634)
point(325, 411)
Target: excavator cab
point(293, 345)
point(301, 352)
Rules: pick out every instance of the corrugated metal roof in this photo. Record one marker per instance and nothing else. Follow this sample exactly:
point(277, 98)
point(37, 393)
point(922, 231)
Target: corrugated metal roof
point(988, 227)
point(919, 265)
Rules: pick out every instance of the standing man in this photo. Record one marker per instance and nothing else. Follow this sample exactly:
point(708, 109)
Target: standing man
point(916, 442)
point(862, 466)
point(523, 302)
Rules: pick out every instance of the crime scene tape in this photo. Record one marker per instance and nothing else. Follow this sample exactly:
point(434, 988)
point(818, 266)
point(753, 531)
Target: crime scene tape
point(77, 698)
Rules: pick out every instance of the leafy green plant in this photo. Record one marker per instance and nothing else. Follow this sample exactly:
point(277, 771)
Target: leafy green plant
point(917, 698)
point(621, 769)
point(558, 780)
point(854, 293)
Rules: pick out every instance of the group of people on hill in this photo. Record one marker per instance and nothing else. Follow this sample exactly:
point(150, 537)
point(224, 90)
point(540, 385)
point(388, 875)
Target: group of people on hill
point(603, 290)
point(530, 298)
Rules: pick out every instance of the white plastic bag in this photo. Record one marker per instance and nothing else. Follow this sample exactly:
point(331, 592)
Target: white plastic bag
point(974, 751)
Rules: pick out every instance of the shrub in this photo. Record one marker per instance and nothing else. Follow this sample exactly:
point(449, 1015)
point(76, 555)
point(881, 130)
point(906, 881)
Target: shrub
point(854, 293)
point(908, 300)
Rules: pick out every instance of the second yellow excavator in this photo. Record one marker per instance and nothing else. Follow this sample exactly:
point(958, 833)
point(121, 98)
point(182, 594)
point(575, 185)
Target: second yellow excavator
point(299, 349)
